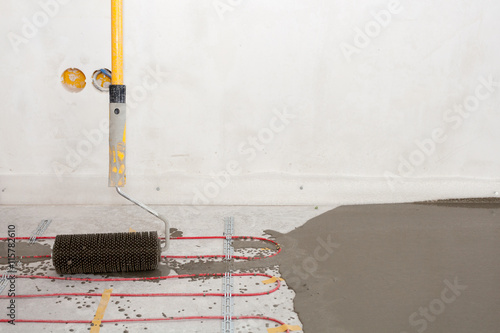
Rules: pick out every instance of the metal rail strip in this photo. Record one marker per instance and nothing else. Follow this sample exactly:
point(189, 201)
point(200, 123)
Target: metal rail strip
point(227, 281)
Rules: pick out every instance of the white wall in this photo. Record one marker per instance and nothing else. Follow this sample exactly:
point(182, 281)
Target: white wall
point(225, 72)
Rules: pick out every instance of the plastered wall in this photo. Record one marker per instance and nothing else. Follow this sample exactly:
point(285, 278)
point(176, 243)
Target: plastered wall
point(254, 102)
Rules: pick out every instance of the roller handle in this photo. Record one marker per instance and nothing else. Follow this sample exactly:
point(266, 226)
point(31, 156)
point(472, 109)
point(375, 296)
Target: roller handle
point(117, 136)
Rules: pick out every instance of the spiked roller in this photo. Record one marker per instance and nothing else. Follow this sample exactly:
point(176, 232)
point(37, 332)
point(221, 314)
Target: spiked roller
point(115, 252)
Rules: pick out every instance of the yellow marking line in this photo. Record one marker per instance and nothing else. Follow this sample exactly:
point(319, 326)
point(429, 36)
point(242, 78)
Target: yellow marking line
point(272, 280)
point(283, 328)
point(106, 295)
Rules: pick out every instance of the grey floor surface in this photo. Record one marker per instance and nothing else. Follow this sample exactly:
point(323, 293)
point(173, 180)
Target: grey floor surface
point(401, 268)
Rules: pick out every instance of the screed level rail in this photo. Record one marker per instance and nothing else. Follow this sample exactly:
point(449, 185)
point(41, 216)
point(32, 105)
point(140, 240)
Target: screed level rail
point(227, 281)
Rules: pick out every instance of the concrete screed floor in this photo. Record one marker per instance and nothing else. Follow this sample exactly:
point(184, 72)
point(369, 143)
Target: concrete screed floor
point(368, 268)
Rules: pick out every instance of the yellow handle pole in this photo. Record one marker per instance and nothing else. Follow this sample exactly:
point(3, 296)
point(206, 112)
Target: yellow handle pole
point(117, 41)
point(117, 100)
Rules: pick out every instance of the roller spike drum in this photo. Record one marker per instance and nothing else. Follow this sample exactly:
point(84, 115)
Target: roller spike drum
point(106, 253)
